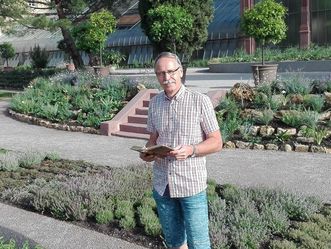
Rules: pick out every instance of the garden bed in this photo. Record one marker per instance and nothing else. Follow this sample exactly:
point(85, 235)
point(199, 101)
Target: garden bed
point(118, 202)
point(291, 115)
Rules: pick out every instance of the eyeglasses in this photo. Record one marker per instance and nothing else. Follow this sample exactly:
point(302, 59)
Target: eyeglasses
point(170, 72)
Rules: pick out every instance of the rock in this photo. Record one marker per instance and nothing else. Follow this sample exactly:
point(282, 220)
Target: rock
point(318, 149)
point(325, 116)
point(327, 97)
point(254, 130)
point(296, 99)
point(266, 131)
point(243, 145)
point(306, 140)
point(258, 146)
point(271, 147)
point(242, 91)
point(229, 145)
point(286, 147)
point(288, 131)
point(301, 148)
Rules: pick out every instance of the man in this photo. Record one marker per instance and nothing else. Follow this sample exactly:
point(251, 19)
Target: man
point(185, 120)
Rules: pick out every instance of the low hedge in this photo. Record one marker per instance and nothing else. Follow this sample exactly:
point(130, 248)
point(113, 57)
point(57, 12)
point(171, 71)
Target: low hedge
point(20, 78)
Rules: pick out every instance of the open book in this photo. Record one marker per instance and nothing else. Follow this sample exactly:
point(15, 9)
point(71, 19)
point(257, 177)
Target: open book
point(159, 150)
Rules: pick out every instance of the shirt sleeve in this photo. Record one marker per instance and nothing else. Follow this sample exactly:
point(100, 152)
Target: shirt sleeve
point(150, 123)
point(208, 117)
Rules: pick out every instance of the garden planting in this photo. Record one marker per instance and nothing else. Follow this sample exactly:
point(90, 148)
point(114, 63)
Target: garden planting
point(288, 115)
point(118, 202)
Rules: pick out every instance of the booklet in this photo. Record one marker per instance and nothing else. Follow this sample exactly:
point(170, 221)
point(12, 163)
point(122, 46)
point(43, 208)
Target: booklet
point(160, 150)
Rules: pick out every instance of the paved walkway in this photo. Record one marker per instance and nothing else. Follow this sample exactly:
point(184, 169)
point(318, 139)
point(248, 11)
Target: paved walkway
point(305, 173)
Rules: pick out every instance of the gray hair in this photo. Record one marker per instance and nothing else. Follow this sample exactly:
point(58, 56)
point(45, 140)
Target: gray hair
point(168, 55)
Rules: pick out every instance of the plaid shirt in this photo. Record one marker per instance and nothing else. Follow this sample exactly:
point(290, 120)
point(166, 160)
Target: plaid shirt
point(183, 120)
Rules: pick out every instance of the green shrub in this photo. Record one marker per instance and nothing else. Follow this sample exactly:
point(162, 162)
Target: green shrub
point(39, 57)
point(313, 102)
point(317, 133)
point(9, 162)
point(299, 118)
point(127, 222)
point(282, 244)
point(149, 220)
point(247, 228)
point(266, 117)
point(104, 216)
point(30, 158)
point(275, 217)
point(88, 103)
point(297, 85)
point(123, 209)
point(53, 156)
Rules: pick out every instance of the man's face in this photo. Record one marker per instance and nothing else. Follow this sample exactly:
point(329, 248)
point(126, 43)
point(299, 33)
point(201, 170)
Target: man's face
point(169, 75)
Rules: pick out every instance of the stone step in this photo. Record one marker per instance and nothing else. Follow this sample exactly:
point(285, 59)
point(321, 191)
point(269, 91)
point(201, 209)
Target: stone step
point(132, 127)
point(145, 103)
point(142, 111)
point(131, 135)
point(139, 119)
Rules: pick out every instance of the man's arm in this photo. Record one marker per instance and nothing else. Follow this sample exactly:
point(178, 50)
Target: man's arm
point(151, 141)
point(212, 143)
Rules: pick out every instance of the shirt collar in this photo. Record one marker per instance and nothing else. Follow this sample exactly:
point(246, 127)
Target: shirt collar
point(179, 95)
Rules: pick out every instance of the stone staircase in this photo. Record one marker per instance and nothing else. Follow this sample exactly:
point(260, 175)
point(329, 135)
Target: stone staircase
point(131, 121)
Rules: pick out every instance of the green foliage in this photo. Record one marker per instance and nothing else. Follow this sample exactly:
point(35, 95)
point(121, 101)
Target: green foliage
point(20, 77)
point(149, 220)
point(265, 22)
point(169, 25)
point(9, 161)
point(104, 216)
point(238, 218)
point(201, 12)
point(266, 117)
point(53, 156)
point(7, 51)
point(91, 35)
point(30, 158)
point(287, 54)
point(113, 57)
point(11, 244)
point(39, 57)
point(313, 102)
point(227, 113)
point(299, 118)
point(282, 244)
point(125, 213)
point(94, 99)
point(318, 134)
point(297, 85)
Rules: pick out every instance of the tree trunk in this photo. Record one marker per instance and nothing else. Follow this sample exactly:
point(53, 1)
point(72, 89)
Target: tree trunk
point(72, 49)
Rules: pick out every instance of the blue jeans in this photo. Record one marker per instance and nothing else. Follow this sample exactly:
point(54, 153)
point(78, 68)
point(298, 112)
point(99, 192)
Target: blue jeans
point(184, 219)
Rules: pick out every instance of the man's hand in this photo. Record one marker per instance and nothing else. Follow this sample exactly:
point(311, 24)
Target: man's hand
point(182, 152)
point(147, 157)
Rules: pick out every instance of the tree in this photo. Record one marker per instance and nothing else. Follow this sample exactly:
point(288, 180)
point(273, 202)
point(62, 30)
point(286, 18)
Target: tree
point(169, 27)
point(7, 51)
point(69, 14)
point(265, 22)
point(10, 12)
point(201, 13)
point(90, 35)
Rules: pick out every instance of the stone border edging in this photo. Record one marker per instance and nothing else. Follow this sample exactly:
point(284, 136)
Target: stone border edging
point(283, 66)
point(270, 146)
point(45, 123)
